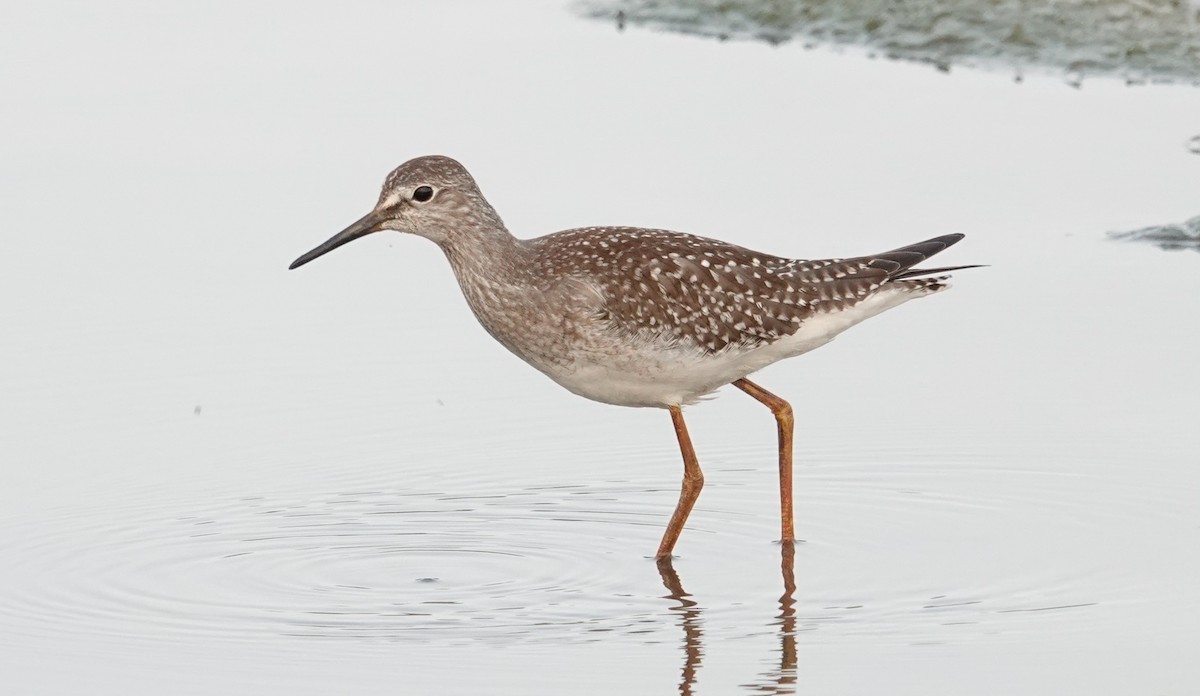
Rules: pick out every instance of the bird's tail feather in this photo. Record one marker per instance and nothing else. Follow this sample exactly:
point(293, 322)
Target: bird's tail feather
point(918, 272)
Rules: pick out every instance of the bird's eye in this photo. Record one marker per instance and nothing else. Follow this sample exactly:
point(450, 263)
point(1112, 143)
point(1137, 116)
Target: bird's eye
point(422, 194)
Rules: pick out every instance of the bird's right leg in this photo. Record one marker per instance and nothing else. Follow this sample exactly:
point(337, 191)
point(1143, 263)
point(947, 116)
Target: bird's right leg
point(693, 481)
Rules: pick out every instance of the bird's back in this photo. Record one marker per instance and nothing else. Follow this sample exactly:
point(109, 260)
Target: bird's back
point(717, 296)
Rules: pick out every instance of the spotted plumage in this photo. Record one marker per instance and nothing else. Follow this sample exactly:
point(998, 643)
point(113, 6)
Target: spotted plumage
point(711, 294)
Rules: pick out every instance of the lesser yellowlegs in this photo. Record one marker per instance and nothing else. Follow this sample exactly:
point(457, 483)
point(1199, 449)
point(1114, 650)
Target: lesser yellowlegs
point(643, 317)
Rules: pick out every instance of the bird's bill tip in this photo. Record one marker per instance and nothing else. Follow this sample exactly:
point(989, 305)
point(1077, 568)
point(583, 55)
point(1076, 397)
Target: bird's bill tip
point(365, 225)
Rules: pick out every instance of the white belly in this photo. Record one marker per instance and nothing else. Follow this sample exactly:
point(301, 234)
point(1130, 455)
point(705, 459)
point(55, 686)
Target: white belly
point(646, 373)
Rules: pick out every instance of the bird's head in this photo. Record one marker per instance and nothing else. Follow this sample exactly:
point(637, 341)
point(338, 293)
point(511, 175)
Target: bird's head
point(434, 197)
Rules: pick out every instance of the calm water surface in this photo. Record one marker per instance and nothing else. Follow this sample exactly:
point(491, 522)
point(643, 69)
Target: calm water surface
point(222, 477)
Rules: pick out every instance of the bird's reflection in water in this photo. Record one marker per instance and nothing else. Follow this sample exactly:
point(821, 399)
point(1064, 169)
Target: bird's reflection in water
point(693, 650)
point(783, 679)
point(778, 681)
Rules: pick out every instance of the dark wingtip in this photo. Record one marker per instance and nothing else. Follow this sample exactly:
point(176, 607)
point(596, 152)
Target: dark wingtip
point(898, 262)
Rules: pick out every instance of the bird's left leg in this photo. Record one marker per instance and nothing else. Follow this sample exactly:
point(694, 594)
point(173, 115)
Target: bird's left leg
point(783, 417)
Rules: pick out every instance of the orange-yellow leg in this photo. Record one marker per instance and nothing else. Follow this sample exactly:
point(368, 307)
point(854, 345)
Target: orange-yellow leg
point(693, 481)
point(783, 417)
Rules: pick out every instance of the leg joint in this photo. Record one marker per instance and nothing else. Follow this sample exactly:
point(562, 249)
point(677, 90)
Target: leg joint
point(783, 413)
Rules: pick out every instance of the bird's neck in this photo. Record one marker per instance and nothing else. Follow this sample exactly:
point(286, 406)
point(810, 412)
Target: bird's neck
point(487, 252)
point(493, 271)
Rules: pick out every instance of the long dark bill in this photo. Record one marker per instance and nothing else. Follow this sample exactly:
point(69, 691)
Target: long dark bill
point(363, 227)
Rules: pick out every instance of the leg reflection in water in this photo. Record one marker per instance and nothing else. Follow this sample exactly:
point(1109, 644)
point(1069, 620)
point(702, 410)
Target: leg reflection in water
point(777, 681)
point(783, 679)
point(693, 651)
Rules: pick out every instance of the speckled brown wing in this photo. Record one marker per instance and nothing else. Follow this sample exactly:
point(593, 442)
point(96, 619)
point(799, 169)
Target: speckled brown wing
point(690, 290)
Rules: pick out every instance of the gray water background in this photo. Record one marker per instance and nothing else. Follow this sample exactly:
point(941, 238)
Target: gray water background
point(223, 477)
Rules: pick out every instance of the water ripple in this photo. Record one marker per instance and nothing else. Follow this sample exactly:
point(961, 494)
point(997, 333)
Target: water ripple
point(486, 559)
